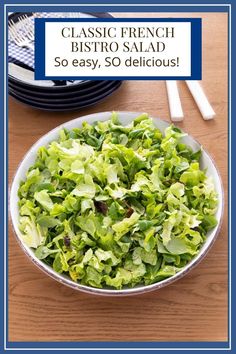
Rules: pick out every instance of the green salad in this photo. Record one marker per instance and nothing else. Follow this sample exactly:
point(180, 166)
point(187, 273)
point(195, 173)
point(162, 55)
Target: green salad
point(116, 206)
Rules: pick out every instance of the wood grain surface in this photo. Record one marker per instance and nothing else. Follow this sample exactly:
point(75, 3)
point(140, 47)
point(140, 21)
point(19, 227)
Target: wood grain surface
point(192, 309)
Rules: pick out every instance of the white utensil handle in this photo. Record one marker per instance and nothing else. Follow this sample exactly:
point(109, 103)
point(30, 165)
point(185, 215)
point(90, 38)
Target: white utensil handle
point(175, 106)
point(201, 99)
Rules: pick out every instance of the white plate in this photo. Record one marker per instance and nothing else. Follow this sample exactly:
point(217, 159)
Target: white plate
point(206, 162)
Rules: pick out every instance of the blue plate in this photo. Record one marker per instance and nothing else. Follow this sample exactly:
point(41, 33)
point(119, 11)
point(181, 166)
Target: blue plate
point(66, 107)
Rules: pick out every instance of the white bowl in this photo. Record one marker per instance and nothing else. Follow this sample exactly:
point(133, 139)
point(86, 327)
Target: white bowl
point(125, 117)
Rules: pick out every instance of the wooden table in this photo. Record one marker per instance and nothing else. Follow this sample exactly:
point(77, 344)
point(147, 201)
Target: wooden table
point(192, 309)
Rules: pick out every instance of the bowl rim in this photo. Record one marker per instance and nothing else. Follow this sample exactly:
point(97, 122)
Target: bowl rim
point(65, 280)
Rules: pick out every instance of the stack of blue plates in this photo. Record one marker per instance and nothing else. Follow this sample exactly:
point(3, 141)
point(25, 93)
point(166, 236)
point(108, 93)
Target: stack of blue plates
point(55, 95)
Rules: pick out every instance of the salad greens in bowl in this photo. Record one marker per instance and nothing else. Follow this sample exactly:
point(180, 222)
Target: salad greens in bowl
point(116, 203)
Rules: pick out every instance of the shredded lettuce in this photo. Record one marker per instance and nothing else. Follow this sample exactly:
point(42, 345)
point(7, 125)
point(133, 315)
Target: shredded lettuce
point(116, 206)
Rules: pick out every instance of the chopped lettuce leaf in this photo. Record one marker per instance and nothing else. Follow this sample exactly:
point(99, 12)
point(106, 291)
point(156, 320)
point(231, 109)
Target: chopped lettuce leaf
point(124, 226)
